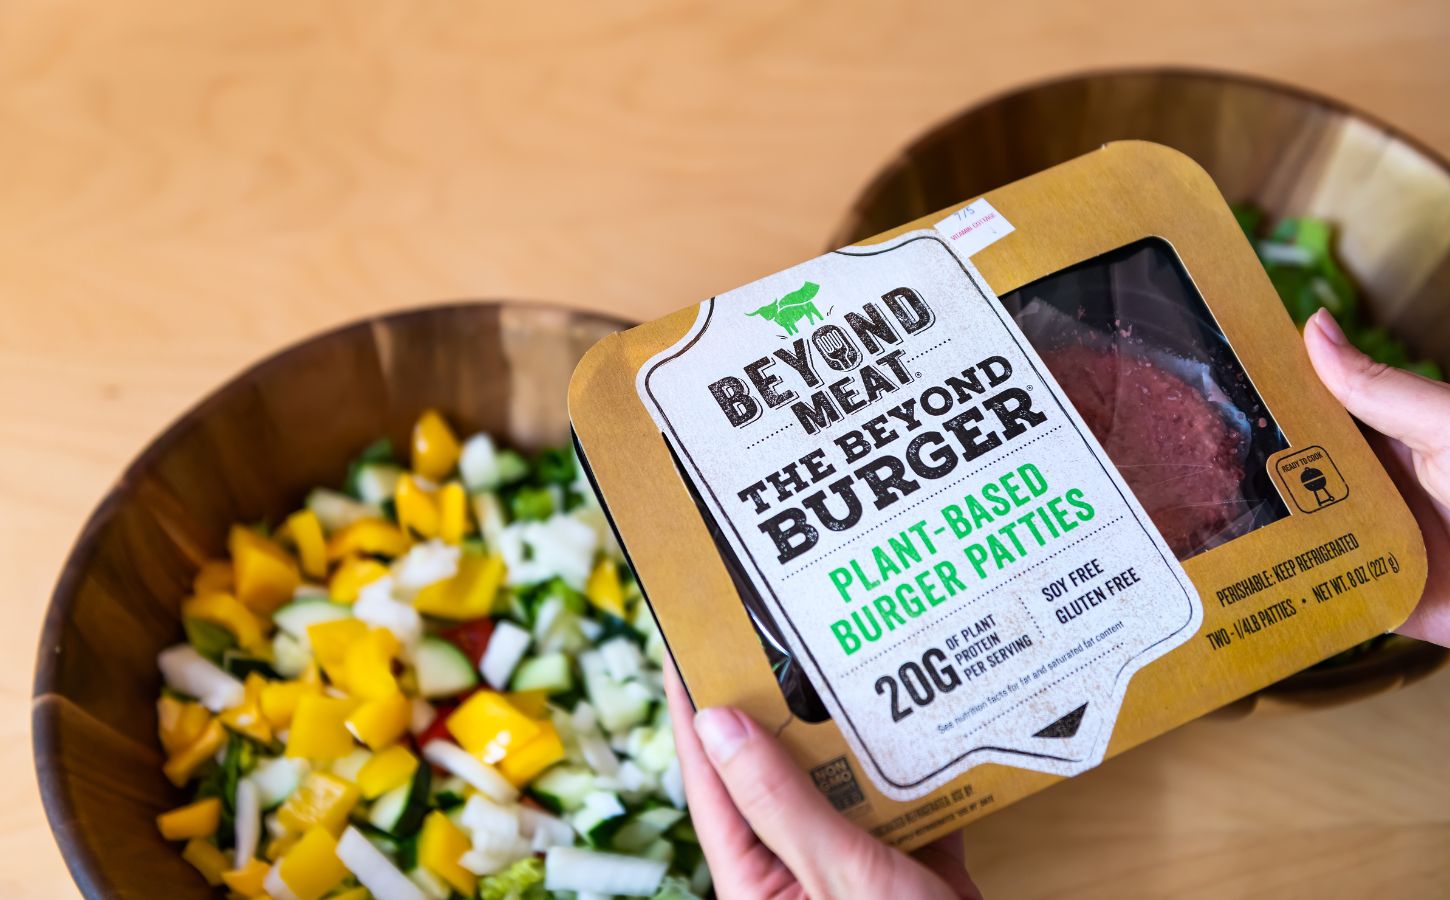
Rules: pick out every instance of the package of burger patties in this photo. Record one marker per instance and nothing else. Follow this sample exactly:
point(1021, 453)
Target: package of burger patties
point(963, 509)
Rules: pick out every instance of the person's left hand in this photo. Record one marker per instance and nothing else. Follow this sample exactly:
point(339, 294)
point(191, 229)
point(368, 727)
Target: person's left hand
point(767, 832)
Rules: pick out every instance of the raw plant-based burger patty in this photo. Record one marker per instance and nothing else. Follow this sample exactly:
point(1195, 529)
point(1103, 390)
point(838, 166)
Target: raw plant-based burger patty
point(1175, 450)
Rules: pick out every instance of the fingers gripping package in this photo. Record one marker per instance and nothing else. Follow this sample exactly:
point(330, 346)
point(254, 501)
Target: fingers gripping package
point(964, 509)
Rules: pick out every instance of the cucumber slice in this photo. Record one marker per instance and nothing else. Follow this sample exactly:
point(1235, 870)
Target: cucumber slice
point(241, 665)
point(337, 511)
point(442, 669)
point(276, 779)
point(659, 849)
point(400, 811)
point(544, 673)
point(433, 887)
point(563, 788)
point(598, 817)
point(644, 829)
point(289, 657)
point(621, 706)
point(296, 617)
point(388, 808)
point(657, 751)
point(622, 658)
point(347, 767)
point(377, 482)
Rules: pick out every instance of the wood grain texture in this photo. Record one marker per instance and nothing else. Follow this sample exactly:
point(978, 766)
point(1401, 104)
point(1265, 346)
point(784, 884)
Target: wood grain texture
point(190, 186)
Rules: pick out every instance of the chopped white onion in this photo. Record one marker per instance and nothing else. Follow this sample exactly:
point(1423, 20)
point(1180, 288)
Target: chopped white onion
point(424, 564)
point(188, 672)
point(457, 761)
point(248, 822)
point(506, 648)
point(373, 868)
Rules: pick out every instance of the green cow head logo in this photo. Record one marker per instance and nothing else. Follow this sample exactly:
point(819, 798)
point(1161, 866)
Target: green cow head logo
point(788, 311)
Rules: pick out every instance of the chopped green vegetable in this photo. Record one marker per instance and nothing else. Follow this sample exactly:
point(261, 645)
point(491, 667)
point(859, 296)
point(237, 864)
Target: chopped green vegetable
point(1298, 255)
point(530, 504)
point(239, 758)
point(210, 639)
point(379, 451)
point(524, 880)
point(359, 692)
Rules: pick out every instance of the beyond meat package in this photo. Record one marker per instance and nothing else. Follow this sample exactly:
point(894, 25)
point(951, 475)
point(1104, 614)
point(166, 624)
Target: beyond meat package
point(963, 509)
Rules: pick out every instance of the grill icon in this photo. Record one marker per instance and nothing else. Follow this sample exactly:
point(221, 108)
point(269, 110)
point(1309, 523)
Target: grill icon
point(1315, 483)
point(1311, 479)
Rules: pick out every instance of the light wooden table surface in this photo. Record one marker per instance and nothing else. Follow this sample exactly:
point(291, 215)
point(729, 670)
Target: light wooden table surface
point(185, 187)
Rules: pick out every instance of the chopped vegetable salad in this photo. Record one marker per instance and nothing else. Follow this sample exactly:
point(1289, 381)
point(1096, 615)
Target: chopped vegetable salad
point(438, 682)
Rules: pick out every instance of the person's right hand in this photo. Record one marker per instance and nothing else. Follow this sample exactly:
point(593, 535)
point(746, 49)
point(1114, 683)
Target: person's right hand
point(1412, 415)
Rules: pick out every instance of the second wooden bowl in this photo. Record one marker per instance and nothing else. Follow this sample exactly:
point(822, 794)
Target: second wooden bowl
point(1285, 150)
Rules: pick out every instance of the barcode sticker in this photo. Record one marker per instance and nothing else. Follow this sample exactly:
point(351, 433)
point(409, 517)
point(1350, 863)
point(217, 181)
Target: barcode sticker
point(974, 227)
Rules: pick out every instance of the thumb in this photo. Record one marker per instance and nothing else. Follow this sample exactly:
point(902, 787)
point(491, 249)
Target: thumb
point(1400, 404)
point(819, 846)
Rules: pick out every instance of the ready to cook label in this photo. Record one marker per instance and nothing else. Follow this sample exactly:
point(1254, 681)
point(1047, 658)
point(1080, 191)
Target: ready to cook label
point(949, 552)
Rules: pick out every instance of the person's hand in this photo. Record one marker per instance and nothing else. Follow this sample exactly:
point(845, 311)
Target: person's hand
point(768, 833)
point(1412, 415)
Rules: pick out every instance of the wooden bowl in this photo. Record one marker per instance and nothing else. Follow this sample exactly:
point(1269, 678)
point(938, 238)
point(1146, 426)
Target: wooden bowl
point(1288, 151)
point(249, 451)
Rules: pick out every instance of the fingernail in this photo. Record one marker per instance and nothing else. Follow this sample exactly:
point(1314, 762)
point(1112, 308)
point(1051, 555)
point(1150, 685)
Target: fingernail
point(1324, 321)
point(721, 731)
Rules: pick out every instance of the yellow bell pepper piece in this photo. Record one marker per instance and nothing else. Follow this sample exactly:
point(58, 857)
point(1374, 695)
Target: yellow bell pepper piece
point(380, 723)
point(440, 844)
point(214, 577)
point(368, 537)
point(367, 665)
point(305, 531)
point(279, 700)
point(194, 820)
point(469, 594)
point(534, 704)
point(490, 727)
point(319, 728)
point(231, 614)
point(417, 508)
point(322, 799)
point(435, 449)
point(357, 893)
point(330, 643)
point(311, 868)
point(392, 768)
point(278, 846)
point(603, 588)
point(452, 512)
point(208, 860)
point(247, 881)
point(265, 574)
point(246, 717)
point(179, 723)
point(523, 764)
point(355, 573)
point(180, 766)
